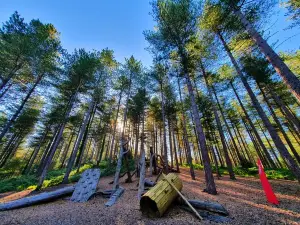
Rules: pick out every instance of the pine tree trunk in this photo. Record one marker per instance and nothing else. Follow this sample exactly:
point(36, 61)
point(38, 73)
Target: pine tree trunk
point(293, 120)
point(282, 69)
point(5, 91)
point(67, 150)
point(166, 169)
point(241, 159)
point(13, 71)
point(99, 156)
point(122, 141)
point(115, 127)
point(271, 147)
point(85, 138)
point(170, 143)
point(279, 125)
point(43, 158)
point(276, 139)
point(142, 163)
point(16, 114)
point(219, 126)
point(57, 139)
point(175, 149)
point(210, 183)
point(238, 140)
point(137, 139)
point(7, 146)
point(11, 152)
point(35, 152)
point(77, 143)
point(185, 137)
point(272, 164)
point(251, 159)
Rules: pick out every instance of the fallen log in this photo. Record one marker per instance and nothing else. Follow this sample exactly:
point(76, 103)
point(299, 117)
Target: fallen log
point(209, 206)
point(105, 193)
point(208, 216)
point(39, 198)
point(182, 197)
point(214, 207)
point(149, 183)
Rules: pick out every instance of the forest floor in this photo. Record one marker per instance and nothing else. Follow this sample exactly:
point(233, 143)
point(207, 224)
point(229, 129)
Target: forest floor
point(243, 198)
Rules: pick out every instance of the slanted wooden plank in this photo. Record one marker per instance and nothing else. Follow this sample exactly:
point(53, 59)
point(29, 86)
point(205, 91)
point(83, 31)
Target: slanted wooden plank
point(43, 197)
point(114, 197)
point(86, 186)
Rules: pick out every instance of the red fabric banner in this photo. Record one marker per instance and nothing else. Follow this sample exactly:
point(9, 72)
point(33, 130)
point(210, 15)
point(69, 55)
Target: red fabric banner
point(266, 185)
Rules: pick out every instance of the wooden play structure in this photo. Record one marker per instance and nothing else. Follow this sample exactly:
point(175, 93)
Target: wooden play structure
point(157, 200)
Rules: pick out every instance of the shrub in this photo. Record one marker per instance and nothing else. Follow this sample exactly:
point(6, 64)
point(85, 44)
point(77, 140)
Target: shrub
point(252, 172)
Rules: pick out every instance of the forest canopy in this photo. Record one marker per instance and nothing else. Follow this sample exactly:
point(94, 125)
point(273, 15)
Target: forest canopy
point(218, 97)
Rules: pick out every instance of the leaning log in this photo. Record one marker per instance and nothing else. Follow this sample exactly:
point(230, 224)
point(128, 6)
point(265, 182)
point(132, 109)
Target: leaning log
point(39, 198)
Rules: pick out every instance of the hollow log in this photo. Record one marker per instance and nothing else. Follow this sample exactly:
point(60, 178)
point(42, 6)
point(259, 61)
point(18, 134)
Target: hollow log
point(157, 200)
point(43, 197)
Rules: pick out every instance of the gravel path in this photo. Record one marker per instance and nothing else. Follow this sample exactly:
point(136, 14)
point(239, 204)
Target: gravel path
point(244, 199)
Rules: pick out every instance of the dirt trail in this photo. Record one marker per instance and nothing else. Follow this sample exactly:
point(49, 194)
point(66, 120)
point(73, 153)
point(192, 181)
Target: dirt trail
point(244, 199)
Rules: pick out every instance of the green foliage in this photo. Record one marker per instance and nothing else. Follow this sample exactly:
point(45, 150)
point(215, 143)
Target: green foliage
point(54, 177)
point(293, 7)
point(292, 60)
point(272, 174)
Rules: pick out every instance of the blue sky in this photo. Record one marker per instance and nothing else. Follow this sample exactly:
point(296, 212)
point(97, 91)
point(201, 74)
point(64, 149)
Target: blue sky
point(116, 24)
point(92, 24)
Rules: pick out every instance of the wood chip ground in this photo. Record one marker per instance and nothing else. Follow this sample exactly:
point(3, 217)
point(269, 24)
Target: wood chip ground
point(244, 199)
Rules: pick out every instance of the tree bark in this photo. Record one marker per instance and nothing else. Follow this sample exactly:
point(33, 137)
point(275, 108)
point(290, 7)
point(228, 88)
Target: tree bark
point(85, 137)
point(114, 130)
point(142, 163)
point(57, 139)
point(272, 164)
point(277, 141)
point(185, 137)
point(166, 169)
point(279, 125)
point(35, 152)
point(241, 159)
point(294, 120)
point(67, 150)
point(16, 114)
point(175, 149)
point(78, 141)
point(219, 126)
point(170, 143)
point(122, 140)
point(210, 183)
point(282, 69)
point(137, 139)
